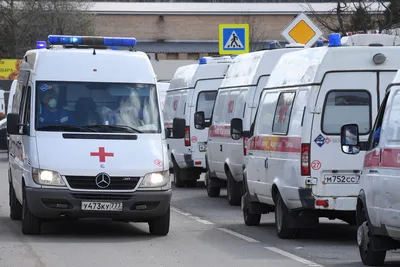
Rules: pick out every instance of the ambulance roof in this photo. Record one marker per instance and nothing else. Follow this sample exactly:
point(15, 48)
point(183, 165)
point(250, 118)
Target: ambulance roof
point(309, 66)
point(71, 64)
point(246, 69)
point(187, 76)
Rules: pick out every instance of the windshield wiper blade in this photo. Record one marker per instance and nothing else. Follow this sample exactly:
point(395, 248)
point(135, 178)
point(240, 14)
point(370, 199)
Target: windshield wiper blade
point(65, 127)
point(116, 127)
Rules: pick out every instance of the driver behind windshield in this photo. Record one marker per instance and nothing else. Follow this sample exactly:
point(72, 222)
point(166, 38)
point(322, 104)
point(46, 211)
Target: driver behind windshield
point(50, 113)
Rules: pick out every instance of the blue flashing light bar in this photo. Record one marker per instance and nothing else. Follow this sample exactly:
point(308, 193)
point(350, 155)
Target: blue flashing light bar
point(91, 40)
point(202, 61)
point(65, 40)
point(335, 40)
point(41, 44)
point(319, 44)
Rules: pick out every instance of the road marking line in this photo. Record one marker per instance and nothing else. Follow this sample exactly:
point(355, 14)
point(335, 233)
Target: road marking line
point(246, 238)
point(293, 257)
point(191, 216)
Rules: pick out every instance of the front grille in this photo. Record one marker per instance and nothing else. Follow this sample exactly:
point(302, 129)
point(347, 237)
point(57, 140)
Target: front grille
point(102, 196)
point(89, 182)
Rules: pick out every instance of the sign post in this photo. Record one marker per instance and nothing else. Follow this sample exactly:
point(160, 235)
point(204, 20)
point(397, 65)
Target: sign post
point(302, 30)
point(234, 39)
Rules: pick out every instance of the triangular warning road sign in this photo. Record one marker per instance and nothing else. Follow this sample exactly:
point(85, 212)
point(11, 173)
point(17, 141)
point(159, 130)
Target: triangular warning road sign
point(233, 41)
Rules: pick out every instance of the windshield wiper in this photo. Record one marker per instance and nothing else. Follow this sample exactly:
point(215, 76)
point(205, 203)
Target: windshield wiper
point(65, 128)
point(115, 127)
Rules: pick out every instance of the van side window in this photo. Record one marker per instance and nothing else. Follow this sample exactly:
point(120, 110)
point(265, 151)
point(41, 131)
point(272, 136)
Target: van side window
point(205, 102)
point(21, 85)
point(240, 103)
point(345, 107)
point(219, 111)
point(392, 132)
point(374, 137)
point(27, 104)
point(297, 112)
point(282, 113)
point(265, 114)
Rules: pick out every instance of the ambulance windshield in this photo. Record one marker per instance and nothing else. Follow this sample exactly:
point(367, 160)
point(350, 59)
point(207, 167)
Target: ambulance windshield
point(97, 107)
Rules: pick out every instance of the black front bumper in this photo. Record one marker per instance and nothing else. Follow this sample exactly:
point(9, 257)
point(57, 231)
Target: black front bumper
point(140, 206)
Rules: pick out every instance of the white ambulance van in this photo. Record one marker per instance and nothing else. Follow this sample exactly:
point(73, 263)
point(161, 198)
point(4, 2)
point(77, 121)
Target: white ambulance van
point(86, 136)
point(193, 89)
point(295, 165)
point(378, 211)
point(237, 98)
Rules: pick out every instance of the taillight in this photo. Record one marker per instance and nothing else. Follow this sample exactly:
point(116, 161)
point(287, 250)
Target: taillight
point(245, 143)
point(305, 159)
point(187, 136)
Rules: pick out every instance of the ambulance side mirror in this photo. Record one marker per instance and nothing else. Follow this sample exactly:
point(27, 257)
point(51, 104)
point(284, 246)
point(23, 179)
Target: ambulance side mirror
point(236, 128)
point(13, 123)
point(199, 120)
point(178, 128)
point(350, 139)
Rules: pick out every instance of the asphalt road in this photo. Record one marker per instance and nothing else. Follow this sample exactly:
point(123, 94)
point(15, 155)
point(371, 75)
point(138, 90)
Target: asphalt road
point(204, 232)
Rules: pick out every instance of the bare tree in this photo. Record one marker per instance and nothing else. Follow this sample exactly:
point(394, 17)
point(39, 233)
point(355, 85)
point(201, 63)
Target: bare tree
point(22, 23)
point(357, 16)
point(257, 31)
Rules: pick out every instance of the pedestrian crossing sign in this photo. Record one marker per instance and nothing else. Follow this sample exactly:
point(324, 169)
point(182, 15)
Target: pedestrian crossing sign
point(233, 39)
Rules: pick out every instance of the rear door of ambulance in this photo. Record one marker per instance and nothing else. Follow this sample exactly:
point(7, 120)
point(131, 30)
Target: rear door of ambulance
point(344, 98)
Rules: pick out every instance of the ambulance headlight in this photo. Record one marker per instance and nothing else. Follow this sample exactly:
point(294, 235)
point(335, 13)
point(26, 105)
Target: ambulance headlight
point(155, 179)
point(47, 177)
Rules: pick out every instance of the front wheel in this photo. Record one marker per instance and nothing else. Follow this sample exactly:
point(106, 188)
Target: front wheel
point(160, 226)
point(211, 191)
point(369, 256)
point(31, 225)
point(251, 219)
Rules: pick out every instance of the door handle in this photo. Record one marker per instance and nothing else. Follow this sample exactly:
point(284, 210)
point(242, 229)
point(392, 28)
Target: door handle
point(373, 171)
point(266, 163)
point(11, 154)
point(250, 154)
point(220, 148)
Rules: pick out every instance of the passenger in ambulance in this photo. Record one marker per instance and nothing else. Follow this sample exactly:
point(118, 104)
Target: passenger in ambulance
point(129, 112)
point(49, 111)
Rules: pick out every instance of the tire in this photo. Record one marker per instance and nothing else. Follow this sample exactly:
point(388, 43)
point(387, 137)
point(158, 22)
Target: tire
point(31, 225)
point(369, 257)
point(160, 227)
point(212, 191)
point(281, 214)
point(178, 175)
point(15, 206)
point(251, 219)
point(233, 191)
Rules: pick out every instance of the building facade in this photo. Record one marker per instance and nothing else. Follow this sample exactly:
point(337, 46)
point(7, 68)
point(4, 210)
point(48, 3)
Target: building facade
point(188, 31)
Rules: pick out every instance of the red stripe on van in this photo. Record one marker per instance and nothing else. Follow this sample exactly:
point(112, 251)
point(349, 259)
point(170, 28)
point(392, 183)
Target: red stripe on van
point(222, 131)
point(371, 159)
point(391, 158)
point(275, 143)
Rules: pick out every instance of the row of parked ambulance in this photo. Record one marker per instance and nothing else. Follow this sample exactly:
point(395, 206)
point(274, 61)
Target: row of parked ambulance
point(302, 132)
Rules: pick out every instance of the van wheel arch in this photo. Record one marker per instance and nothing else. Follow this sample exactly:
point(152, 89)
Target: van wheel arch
point(275, 192)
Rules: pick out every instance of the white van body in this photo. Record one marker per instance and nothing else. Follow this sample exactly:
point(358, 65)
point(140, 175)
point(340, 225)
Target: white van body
point(294, 159)
point(74, 167)
point(237, 97)
point(193, 88)
point(162, 92)
point(378, 211)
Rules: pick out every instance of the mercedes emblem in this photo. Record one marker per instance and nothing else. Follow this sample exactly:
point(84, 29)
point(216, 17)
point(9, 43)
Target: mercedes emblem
point(103, 180)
